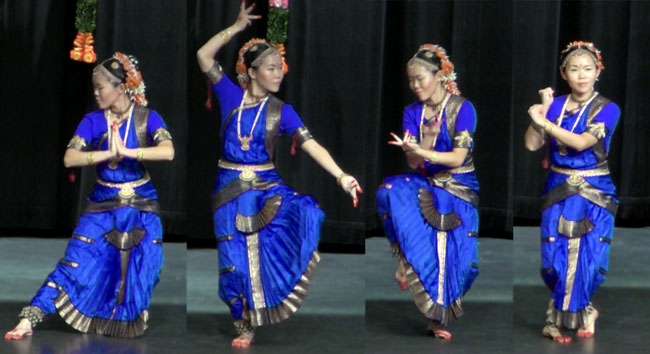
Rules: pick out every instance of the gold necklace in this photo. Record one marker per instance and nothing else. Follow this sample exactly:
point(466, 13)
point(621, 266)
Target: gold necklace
point(245, 140)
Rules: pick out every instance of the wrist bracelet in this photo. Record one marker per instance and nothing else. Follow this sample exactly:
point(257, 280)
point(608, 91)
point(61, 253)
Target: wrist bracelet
point(340, 177)
point(140, 155)
point(548, 126)
point(90, 158)
point(433, 158)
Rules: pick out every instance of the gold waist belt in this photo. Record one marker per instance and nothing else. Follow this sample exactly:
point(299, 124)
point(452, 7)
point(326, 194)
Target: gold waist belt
point(576, 177)
point(247, 171)
point(127, 189)
point(598, 171)
point(445, 175)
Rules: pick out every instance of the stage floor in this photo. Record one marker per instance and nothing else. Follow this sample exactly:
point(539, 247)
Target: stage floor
point(26, 262)
point(395, 325)
point(331, 320)
point(622, 300)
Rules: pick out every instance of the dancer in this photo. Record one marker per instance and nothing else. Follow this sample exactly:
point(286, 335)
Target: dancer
point(579, 200)
point(267, 233)
point(431, 217)
point(103, 284)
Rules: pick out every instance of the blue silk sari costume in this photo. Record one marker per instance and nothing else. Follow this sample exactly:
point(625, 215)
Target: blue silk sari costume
point(578, 210)
point(103, 284)
point(431, 217)
point(267, 234)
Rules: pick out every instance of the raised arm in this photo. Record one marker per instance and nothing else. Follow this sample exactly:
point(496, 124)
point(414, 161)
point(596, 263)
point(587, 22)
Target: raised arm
point(205, 54)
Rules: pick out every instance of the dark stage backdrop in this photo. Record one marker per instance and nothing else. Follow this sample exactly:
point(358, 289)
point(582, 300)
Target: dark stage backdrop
point(619, 29)
point(347, 80)
point(45, 94)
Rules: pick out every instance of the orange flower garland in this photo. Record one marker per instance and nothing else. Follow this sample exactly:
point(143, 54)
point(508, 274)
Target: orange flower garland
point(135, 87)
point(447, 67)
point(83, 49)
point(584, 45)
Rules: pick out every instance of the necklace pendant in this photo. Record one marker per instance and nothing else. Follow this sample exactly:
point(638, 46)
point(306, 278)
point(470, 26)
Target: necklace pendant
point(245, 143)
point(113, 164)
point(563, 151)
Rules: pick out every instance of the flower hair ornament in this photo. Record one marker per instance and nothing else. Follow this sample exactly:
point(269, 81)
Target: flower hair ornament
point(446, 66)
point(579, 47)
point(242, 69)
point(135, 87)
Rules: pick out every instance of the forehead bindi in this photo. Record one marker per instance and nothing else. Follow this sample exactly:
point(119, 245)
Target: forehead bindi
point(581, 60)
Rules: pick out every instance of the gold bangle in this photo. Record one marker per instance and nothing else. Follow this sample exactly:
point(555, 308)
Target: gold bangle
point(90, 158)
point(434, 157)
point(548, 126)
point(225, 35)
point(340, 177)
point(140, 155)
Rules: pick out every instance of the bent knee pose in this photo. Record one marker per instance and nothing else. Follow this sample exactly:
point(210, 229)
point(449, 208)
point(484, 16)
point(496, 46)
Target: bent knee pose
point(267, 233)
point(579, 201)
point(103, 283)
point(431, 217)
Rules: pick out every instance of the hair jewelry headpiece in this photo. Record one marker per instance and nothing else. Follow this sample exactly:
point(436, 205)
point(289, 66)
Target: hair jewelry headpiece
point(135, 87)
point(575, 47)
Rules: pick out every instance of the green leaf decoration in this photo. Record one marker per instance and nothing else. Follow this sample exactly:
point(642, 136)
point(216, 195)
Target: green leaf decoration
point(86, 15)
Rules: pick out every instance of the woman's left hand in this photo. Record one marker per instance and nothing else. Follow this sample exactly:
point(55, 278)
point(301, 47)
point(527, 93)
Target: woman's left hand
point(536, 113)
point(122, 150)
point(404, 142)
point(351, 187)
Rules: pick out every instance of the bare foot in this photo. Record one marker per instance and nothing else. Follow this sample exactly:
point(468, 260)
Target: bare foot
point(400, 275)
point(551, 331)
point(589, 330)
point(244, 340)
point(439, 331)
point(22, 330)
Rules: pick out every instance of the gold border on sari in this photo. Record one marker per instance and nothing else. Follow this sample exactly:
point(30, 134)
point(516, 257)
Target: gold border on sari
point(69, 263)
point(573, 229)
point(441, 222)
point(125, 240)
point(441, 247)
point(86, 324)
point(293, 301)
point(83, 238)
point(574, 249)
point(254, 223)
point(257, 291)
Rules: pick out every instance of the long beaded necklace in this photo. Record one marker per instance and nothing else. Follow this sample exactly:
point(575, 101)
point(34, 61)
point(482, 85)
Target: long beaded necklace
point(245, 140)
point(442, 108)
point(114, 161)
point(563, 150)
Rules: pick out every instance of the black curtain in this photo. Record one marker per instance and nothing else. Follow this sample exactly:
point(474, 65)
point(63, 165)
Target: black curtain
point(347, 80)
point(45, 94)
point(619, 30)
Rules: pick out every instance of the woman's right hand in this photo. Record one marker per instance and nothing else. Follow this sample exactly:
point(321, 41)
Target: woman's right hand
point(546, 95)
point(244, 19)
point(112, 145)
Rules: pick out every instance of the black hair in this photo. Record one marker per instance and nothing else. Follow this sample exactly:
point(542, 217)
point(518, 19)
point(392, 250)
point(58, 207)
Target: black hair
point(254, 52)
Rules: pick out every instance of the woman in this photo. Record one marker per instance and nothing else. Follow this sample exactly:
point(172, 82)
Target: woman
point(267, 233)
point(431, 217)
point(103, 284)
point(579, 201)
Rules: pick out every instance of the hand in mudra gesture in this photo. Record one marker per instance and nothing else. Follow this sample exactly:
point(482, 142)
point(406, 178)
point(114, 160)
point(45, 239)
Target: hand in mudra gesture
point(244, 19)
point(404, 142)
